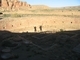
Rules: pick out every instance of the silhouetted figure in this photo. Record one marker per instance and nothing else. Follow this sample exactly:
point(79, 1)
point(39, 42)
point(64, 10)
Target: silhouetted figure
point(35, 29)
point(40, 28)
point(1, 13)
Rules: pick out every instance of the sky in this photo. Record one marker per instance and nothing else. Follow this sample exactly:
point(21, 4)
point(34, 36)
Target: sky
point(54, 3)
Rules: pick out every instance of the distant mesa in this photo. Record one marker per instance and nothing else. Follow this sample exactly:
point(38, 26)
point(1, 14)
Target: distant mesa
point(13, 4)
point(40, 7)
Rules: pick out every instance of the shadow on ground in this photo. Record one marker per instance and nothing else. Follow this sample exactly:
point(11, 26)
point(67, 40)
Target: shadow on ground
point(46, 45)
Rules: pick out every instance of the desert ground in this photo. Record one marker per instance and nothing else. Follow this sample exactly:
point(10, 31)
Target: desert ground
point(58, 39)
point(51, 18)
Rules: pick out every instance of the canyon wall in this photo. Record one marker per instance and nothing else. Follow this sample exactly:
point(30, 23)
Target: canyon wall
point(13, 4)
point(48, 24)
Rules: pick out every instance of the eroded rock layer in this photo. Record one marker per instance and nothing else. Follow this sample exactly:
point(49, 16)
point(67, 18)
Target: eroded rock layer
point(13, 4)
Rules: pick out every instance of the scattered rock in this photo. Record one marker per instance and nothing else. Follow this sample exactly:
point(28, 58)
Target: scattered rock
point(77, 49)
point(62, 39)
point(15, 39)
point(26, 42)
point(6, 50)
point(6, 56)
point(10, 44)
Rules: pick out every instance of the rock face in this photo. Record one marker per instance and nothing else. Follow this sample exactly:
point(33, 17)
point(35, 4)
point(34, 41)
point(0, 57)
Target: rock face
point(13, 4)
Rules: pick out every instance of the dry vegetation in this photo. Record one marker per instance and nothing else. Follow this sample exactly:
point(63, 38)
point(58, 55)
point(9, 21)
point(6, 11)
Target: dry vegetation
point(63, 12)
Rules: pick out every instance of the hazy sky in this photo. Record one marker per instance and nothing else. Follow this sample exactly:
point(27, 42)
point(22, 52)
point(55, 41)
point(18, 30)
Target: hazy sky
point(54, 3)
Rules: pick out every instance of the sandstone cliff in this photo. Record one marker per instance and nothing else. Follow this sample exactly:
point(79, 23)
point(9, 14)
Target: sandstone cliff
point(13, 4)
